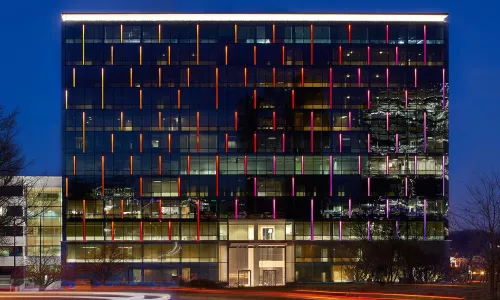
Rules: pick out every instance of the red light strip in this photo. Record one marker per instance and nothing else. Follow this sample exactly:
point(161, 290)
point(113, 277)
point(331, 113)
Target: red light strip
point(169, 230)
point(274, 77)
point(274, 120)
point(283, 143)
point(235, 121)
point(387, 34)
point(254, 99)
point(255, 142)
point(227, 142)
point(312, 44)
point(140, 186)
point(340, 55)
point(293, 99)
point(349, 33)
point(112, 230)
point(122, 209)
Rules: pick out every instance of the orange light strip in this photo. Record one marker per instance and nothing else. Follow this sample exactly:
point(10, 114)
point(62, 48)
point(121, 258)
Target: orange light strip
point(121, 120)
point(293, 99)
point(159, 164)
point(274, 33)
point(112, 55)
point(254, 99)
point(141, 231)
point(349, 33)
point(140, 142)
point(235, 34)
point(140, 55)
point(169, 55)
point(188, 164)
point(84, 221)
point(159, 121)
point(225, 50)
point(131, 164)
point(140, 186)
point(340, 55)
point(179, 99)
point(302, 75)
point(131, 77)
point(254, 55)
point(283, 55)
point(121, 33)
point(159, 76)
point(83, 132)
point(178, 186)
point(169, 142)
point(102, 175)
point(102, 88)
point(112, 230)
point(235, 121)
point(66, 98)
point(140, 98)
point(197, 44)
point(112, 143)
point(255, 142)
point(74, 77)
point(216, 175)
point(216, 88)
point(122, 209)
point(274, 77)
point(67, 187)
point(74, 164)
point(188, 76)
point(198, 131)
point(312, 44)
point(245, 76)
point(227, 143)
point(83, 45)
point(159, 33)
point(160, 216)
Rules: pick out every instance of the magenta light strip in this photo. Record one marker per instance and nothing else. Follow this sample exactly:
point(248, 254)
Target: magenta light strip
point(359, 77)
point(397, 229)
point(406, 186)
point(406, 98)
point(274, 164)
point(368, 98)
point(369, 60)
point(331, 176)
point(387, 121)
point(312, 131)
point(387, 77)
point(340, 142)
point(350, 208)
point(415, 77)
point(397, 142)
point(369, 187)
point(255, 186)
point(293, 186)
point(387, 34)
point(369, 230)
point(302, 164)
point(283, 143)
point(425, 44)
point(359, 164)
point(274, 208)
point(312, 219)
point(444, 180)
point(368, 140)
point(415, 164)
point(236, 208)
point(397, 56)
point(425, 219)
point(444, 92)
point(350, 121)
point(387, 164)
point(425, 131)
point(387, 208)
point(331, 86)
point(340, 230)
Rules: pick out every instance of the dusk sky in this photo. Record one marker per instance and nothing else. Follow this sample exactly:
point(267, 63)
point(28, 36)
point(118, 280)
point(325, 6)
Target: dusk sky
point(31, 66)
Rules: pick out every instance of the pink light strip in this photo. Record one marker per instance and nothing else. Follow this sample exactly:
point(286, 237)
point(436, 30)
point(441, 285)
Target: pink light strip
point(387, 164)
point(397, 142)
point(406, 186)
point(340, 142)
point(236, 208)
point(350, 121)
point(368, 140)
point(415, 163)
point(359, 164)
point(350, 208)
point(369, 59)
point(387, 121)
point(255, 186)
point(245, 165)
point(369, 230)
point(331, 176)
point(369, 187)
point(425, 44)
point(406, 99)
point(387, 34)
point(283, 143)
point(397, 55)
point(444, 179)
point(340, 230)
point(387, 208)
point(302, 164)
point(274, 164)
point(359, 77)
point(274, 208)
point(312, 219)
point(444, 92)
point(425, 131)
point(415, 77)
point(387, 77)
point(293, 186)
point(312, 131)
point(368, 98)
point(331, 90)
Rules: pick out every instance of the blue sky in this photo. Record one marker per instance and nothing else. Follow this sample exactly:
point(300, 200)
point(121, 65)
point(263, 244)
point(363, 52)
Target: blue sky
point(30, 68)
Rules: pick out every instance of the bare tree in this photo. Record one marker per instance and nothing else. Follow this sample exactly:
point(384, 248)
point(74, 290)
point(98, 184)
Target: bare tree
point(105, 264)
point(43, 270)
point(481, 211)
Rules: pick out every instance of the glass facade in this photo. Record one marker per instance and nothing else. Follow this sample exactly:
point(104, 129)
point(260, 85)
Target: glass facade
point(230, 150)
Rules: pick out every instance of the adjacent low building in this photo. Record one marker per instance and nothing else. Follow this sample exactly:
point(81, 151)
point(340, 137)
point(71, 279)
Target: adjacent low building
point(254, 149)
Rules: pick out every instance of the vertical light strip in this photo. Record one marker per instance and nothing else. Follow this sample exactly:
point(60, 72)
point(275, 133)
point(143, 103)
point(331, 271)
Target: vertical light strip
point(406, 186)
point(74, 77)
point(349, 121)
point(406, 99)
point(140, 187)
point(160, 121)
point(340, 55)
point(331, 88)
point(255, 142)
point(198, 220)
point(387, 34)
point(131, 164)
point(102, 175)
point(159, 36)
point(387, 126)
point(83, 45)
point(312, 131)
point(188, 77)
point(425, 131)
point(255, 186)
point(397, 142)
point(283, 142)
point(312, 219)
point(217, 175)
point(293, 99)
point(74, 164)
point(67, 187)
point(102, 88)
point(122, 209)
point(83, 132)
point(425, 219)
point(140, 99)
point(236, 208)
point(188, 164)
point(245, 165)
point(131, 80)
point(349, 33)
point(387, 165)
point(302, 164)
point(179, 99)
point(140, 55)
point(66, 99)
point(159, 165)
point(340, 142)
point(159, 77)
point(216, 88)
point(387, 77)
point(283, 55)
point(369, 230)
point(349, 212)
point(178, 186)
point(227, 142)
point(112, 55)
point(302, 76)
point(312, 44)
point(368, 98)
point(235, 33)
point(443, 174)
point(369, 186)
point(168, 55)
point(112, 230)
point(225, 54)
point(160, 212)
point(197, 44)
point(397, 56)
point(274, 164)
point(169, 230)
point(121, 121)
point(169, 142)
point(274, 77)
point(274, 33)
point(254, 98)
point(274, 120)
point(274, 208)
point(359, 164)
point(387, 208)
point(331, 175)
point(198, 131)
point(254, 55)
point(235, 121)
point(84, 217)
point(359, 77)
point(444, 91)
point(245, 76)
point(415, 74)
point(112, 143)
point(425, 45)
point(415, 165)
point(397, 229)
point(368, 138)
point(340, 230)
point(293, 186)
point(121, 33)
point(368, 53)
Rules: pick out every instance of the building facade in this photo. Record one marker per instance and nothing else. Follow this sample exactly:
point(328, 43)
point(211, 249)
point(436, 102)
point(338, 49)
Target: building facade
point(254, 149)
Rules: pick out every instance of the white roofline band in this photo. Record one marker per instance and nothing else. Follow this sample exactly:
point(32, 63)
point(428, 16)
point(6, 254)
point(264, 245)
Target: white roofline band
point(145, 17)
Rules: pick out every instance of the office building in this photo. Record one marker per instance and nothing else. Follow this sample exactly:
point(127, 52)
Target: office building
point(254, 149)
